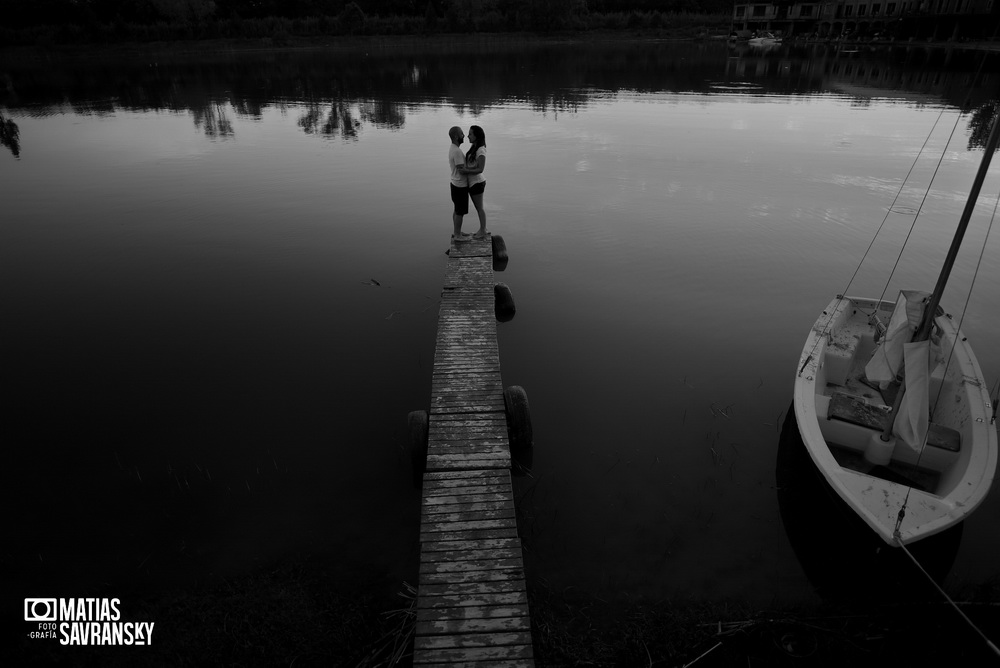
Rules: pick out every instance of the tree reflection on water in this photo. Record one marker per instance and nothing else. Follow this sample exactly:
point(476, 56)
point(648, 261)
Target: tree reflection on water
point(10, 136)
point(340, 91)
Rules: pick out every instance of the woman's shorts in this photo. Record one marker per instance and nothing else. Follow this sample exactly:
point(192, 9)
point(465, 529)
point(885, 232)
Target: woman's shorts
point(477, 188)
point(460, 196)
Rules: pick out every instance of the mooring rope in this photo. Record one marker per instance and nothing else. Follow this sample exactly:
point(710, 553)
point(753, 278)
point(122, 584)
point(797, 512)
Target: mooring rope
point(989, 643)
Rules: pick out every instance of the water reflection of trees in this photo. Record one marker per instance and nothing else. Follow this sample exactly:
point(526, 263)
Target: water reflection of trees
point(344, 90)
point(10, 135)
point(330, 120)
point(980, 123)
point(214, 120)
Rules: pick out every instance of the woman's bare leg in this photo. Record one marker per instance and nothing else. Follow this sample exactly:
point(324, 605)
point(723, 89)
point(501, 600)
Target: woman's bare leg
point(477, 200)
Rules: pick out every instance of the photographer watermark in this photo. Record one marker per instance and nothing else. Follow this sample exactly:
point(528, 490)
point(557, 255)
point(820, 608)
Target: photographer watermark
point(84, 621)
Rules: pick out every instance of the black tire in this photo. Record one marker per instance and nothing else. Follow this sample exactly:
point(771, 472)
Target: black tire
point(519, 430)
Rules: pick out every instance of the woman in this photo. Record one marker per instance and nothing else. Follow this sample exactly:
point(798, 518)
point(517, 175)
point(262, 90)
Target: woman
point(475, 163)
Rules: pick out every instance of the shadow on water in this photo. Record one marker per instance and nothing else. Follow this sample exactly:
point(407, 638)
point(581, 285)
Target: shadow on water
point(843, 559)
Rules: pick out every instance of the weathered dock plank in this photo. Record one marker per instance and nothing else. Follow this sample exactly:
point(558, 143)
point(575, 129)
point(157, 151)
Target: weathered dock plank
point(472, 604)
point(473, 612)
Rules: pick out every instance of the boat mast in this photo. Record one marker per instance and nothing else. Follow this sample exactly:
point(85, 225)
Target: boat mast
point(926, 322)
point(991, 145)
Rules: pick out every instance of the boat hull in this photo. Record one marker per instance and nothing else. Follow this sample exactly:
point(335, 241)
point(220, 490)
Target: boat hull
point(935, 485)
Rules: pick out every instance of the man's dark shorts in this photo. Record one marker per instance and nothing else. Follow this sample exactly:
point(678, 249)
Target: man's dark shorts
point(477, 188)
point(460, 196)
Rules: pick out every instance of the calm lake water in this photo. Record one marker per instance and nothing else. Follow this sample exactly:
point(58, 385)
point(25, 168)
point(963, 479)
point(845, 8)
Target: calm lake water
point(203, 378)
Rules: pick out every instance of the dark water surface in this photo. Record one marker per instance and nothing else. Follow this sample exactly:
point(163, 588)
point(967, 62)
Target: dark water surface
point(202, 377)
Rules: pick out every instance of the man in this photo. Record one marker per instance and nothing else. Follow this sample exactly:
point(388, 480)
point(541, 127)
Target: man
point(459, 182)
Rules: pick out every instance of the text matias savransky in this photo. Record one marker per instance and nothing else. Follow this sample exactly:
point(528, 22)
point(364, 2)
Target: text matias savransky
point(85, 621)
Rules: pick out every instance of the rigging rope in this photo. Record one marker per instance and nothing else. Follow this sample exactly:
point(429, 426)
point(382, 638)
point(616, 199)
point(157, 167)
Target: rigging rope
point(893, 204)
point(846, 290)
point(968, 621)
point(968, 298)
point(920, 208)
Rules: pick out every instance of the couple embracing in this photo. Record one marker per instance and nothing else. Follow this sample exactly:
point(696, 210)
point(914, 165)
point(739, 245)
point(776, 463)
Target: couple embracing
point(467, 180)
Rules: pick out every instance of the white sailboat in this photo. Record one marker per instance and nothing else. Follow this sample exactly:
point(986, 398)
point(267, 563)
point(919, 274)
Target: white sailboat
point(764, 39)
point(893, 409)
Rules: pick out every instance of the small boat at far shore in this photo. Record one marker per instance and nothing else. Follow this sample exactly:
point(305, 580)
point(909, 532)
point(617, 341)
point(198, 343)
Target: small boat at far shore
point(764, 39)
point(893, 408)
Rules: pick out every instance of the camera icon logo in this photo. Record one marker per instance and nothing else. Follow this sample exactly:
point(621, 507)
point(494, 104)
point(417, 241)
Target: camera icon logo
point(41, 610)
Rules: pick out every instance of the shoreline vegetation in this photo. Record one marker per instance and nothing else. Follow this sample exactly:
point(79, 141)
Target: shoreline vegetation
point(274, 35)
point(53, 23)
point(248, 24)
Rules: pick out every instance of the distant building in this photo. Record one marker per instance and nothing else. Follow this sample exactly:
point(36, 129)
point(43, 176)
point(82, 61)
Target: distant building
point(899, 20)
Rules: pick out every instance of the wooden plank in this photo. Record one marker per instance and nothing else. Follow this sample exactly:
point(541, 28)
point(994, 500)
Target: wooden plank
point(439, 420)
point(472, 612)
point(477, 482)
point(469, 451)
point(461, 395)
point(459, 383)
point(471, 589)
point(468, 534)
point(445, 386)
point(457, 431)
point(486, 417)
point(463, 626)
point(453, 459)
point(447, 438)
point(470, 390)
point(466, 455)
point(448, 508)
point(474, 656)
point(461, 351)
point(471, 446)
point(480, 544)
point(460, 577)
point(470, 405)
point(479, 663)
point(457, 567)
point(485, 640)
point(468, 516)
point(469, 441)
point(854, 410)
point(468, 479)
point(465, 475)
point(451, 443)
point(471, 525)
point(497, 488)
point(444, 463)
point(496, 599)
point(447, 433)
point(472, 555)
point(466, 498)
point(450, 435)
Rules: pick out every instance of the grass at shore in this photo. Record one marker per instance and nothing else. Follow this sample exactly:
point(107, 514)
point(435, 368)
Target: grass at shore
point(298, 614)
point(585, 631)
point(303, 615)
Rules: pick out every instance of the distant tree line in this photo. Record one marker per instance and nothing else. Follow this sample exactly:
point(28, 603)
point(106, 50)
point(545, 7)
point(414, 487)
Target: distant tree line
point(73, 21)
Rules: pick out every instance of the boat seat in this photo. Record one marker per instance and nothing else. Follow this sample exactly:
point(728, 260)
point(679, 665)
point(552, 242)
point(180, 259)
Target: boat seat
point(839, 354)
point(856, 411)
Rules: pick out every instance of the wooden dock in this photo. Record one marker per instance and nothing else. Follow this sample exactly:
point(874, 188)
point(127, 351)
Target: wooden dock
point(472, 605)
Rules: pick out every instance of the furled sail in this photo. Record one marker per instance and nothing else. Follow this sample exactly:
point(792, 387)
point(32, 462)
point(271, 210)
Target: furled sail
point(895, 352)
